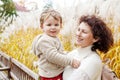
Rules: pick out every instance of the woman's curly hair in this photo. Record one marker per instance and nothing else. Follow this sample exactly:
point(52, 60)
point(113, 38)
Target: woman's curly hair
point(100, 31)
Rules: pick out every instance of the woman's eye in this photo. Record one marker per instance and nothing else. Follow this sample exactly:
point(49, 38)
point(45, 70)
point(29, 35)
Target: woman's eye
point(78, 29)
point(56, 24)
point(85, 31)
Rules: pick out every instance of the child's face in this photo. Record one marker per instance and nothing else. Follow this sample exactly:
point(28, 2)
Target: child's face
point(51, 26)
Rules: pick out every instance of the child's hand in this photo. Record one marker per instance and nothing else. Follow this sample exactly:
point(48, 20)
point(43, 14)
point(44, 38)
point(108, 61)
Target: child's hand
point(75, 63)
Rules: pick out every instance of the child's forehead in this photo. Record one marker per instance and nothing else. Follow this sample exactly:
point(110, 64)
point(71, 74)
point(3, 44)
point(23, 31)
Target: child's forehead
point(50, 17)
point(50, 12)
point(54, 14)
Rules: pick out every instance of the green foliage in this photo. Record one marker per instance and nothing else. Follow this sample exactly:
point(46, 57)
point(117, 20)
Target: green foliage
point(7, 11)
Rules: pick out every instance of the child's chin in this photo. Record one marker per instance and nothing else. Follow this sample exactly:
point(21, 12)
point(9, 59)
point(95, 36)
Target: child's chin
point(53, 35)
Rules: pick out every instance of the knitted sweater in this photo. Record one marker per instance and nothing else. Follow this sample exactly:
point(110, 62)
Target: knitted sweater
point(52, 60)
point(90, 67)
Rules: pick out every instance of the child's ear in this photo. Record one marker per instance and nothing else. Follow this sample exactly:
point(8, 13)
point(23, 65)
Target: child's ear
point(41, 26)
point(61, 25)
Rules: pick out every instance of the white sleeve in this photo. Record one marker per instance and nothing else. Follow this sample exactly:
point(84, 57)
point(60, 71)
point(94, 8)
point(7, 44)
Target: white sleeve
point(34, 44)
point(51, 53)
point(89, 69)
point(79, 76)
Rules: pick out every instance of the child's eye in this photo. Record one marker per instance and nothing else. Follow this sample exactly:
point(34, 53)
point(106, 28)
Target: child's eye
point(48, 24)
point(56, 24)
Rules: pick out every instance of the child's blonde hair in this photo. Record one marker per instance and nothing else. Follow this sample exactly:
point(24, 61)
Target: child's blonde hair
point(50, 12)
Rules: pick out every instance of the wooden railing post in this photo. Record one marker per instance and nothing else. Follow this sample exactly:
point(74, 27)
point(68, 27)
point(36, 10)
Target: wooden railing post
point(6, 69)
point(17, 71)
point(5, 64)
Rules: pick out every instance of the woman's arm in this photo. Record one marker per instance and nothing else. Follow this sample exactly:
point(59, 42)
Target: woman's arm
point(90, 69)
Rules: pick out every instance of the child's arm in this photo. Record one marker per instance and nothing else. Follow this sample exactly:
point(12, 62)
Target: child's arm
point(34, 45)
point(54, 56)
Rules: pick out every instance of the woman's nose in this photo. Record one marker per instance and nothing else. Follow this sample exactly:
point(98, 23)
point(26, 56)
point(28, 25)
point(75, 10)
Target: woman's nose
point(78, 33)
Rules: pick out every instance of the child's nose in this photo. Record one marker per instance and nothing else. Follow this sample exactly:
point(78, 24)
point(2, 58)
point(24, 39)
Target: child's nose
point(52, 26)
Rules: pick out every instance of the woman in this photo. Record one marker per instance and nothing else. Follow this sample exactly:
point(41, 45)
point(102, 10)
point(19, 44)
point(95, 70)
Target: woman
point(92, 34)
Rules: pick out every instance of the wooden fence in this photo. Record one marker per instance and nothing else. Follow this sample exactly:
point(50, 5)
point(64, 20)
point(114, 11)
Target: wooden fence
point(18, 71)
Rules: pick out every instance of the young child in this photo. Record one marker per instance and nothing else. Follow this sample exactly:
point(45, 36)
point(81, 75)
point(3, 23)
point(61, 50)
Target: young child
point(48, 48)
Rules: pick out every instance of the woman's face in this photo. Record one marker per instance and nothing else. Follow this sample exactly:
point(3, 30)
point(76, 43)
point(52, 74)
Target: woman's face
point(84, 35)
